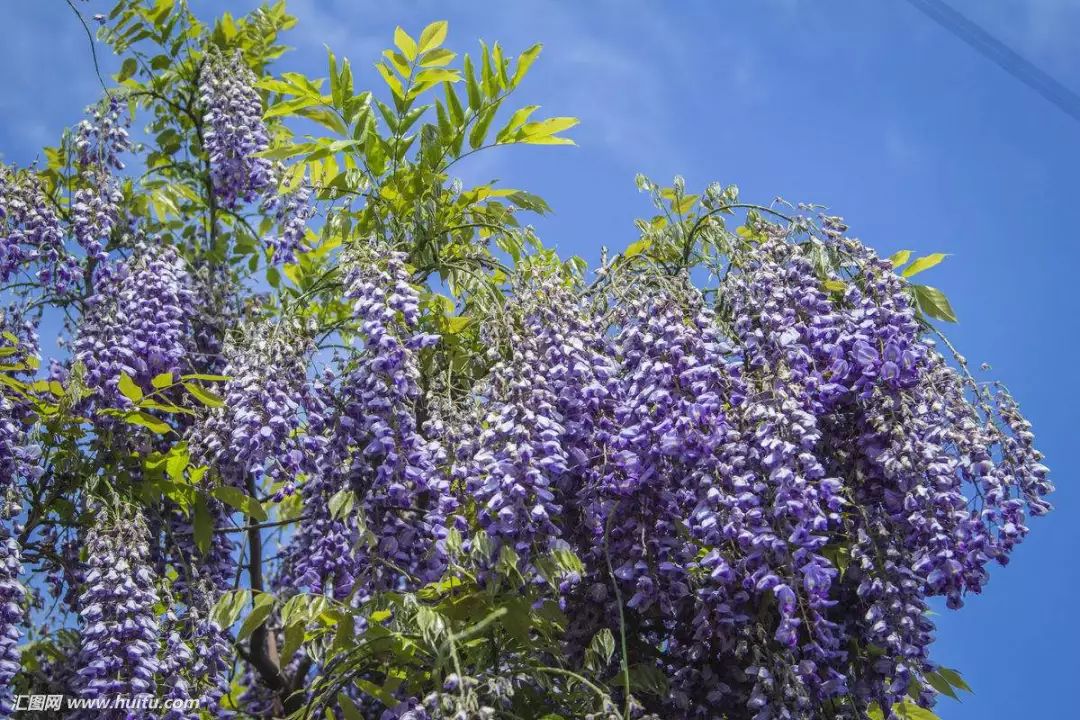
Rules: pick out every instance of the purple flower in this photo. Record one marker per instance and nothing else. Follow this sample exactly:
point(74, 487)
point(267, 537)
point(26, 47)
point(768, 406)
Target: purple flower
point(234, 129)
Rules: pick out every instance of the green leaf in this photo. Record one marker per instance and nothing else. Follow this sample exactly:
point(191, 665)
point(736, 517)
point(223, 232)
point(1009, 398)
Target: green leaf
point(376, 692)
point(148, 421)
point(348, 707)
point(899, 258)
point(206, 378)
point(204, 396)
point(202, 526)
point(636, 248)
point(518, 620)
point(601, 649)
point(483, 122)
point(162, 380)
point(391, 80)
point(524, 62)
point(941, 685)
point(264, 605)
point(648, 679)
point(405, 43)
point(235, 497)
point(934, 303)
point(953, 678)
point(516, 121)
point(229, 606)
point(923, 263)
point(127, 69)
point(437, 58)
point(433, 35)
point(294, 638)
point(341, 503)
point(472, 87)
point(129, 389)
point(911, 711)
point(176, 465)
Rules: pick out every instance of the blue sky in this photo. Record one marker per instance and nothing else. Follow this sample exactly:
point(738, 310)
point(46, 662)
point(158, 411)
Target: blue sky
point(867, 107)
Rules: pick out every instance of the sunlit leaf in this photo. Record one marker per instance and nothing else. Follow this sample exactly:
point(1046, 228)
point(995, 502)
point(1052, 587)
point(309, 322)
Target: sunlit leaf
point(923, 263)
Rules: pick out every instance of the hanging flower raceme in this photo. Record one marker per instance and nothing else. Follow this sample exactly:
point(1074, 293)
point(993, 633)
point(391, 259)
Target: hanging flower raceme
point(19, 463)
point(234, 130)
point(794, 339)
point(291, 212)
point(254, 432)
point(201, 580)
point(138, 322)
point(16, 462)
point(374, 446)
point(31, 235)
point(99, 142)
point(119, 630)
point(321, 557)
point(217, 312)
point(519, 456)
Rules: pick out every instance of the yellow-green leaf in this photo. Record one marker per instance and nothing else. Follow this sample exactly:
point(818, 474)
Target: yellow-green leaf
point(923, 263)
point(899, 258)
point(175, 465)
point(433, 35)
point(683, 205)
point(235, 497)
point(438, 76)
point(524, 62)
point(229, 606)
point(204, 396)
point(129, 389)
point(148, 421)
point(547, 127)
point(399, 61)
point(405, 43)
point(162, 380)
point(264, 605)
point(516, 120)
point(437, 58)
point(638, 247)
point(391, 80)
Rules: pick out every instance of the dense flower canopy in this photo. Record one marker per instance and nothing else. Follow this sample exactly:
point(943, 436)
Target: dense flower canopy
point(339, 435)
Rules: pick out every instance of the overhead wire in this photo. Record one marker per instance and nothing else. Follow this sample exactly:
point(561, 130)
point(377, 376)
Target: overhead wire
point(1001, 54)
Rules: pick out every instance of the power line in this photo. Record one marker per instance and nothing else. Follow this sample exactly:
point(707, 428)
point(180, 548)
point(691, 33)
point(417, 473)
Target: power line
point(1001, 54)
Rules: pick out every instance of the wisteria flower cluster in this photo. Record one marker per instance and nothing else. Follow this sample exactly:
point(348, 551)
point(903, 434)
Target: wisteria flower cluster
point(31, 234)
point(99, 143)
point(366, 439)
point(253, 433)
point(139, 320)
point(119, 626)
point(234, 129)
point(291, 211)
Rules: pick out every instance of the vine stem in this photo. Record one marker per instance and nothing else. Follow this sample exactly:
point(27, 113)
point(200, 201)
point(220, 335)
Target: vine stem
point(93, 48)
